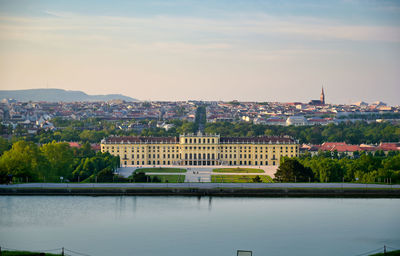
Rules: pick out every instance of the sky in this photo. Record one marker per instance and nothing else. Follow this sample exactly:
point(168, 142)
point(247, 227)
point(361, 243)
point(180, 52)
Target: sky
point(248, 50)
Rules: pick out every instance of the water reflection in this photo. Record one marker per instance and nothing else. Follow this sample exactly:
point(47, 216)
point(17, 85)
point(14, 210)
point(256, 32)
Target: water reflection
point(199, 225)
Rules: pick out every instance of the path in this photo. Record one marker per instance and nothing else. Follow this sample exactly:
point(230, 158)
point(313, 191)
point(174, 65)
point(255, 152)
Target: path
point(199, 185)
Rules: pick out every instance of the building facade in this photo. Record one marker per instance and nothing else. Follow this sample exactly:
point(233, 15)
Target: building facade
point(201, 150)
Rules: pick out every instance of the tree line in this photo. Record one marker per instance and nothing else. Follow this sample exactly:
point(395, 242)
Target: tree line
point(93, 130)
point(25, 161)
point(328, 167)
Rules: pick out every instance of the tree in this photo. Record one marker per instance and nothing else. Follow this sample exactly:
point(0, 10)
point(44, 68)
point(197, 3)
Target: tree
point(4, 145)
point(60, 157)
point(291, 170)
point(139, 177)
point(257, 179)
point(105, 175)
point(24, 160)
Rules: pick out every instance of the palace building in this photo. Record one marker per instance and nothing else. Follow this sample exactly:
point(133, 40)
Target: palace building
point(201, 150)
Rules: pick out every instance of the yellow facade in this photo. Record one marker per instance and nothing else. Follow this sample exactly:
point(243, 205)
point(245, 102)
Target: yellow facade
point(201, 150)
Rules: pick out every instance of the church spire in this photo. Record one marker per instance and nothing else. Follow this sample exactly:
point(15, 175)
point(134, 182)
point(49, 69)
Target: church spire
point(322, 98)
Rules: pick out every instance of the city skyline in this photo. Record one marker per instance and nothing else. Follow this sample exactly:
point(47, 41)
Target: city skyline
point(180, 50)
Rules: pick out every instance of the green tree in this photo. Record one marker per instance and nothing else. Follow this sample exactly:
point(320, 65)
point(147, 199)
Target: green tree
point(292, 170)
point(105, 175)
point(257, 179)
point(60, 157)
point(4, 145)
point(24, 160)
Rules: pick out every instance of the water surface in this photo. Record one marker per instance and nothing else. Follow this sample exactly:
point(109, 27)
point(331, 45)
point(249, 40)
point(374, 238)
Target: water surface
point(144, 226)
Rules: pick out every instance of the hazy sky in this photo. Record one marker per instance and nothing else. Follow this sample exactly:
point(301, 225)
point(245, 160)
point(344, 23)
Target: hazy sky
point(207, 50)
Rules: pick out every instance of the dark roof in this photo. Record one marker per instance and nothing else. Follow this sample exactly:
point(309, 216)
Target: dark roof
point(260, 139)
point(223, 140)
point(140, 139)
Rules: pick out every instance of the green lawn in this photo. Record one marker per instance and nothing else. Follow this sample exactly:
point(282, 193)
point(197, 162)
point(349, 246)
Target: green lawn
point(170, 178)
point(238, 170)
point(239, 178)
point(25, 253)
point(160, 169)
point(392, 253)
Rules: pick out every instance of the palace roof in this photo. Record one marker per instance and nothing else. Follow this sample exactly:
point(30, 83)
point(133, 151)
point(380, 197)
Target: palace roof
point(260, 139)
point(222, 140)
point(139, 139)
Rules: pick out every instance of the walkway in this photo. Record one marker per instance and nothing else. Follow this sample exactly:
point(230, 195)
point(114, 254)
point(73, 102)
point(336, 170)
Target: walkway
point(199, 185)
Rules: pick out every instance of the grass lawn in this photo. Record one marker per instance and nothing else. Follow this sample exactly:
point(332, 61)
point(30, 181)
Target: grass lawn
point(392, 253)
point(160, 169)
point(238, 170)
point(25, 253)
point(170, 178)
point(239, 178)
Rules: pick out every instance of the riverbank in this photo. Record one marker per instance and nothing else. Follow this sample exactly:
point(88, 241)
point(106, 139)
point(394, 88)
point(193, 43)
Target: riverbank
point(208, 189)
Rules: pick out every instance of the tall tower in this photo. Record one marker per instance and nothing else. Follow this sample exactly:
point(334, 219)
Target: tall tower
point(322, 97)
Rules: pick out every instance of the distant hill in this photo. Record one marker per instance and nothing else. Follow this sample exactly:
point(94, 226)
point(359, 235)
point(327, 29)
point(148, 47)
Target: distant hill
point(56, 95)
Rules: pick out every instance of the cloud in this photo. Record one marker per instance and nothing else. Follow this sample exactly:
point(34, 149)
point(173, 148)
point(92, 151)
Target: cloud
point(214, 32)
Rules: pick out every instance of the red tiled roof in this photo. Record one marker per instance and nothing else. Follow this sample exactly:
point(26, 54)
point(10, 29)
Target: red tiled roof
point(389, 146)
point(346, 148)
point(95, 147)
point(339, 146)
point(74, 144)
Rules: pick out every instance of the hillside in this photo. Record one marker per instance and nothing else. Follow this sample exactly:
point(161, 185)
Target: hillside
point(55, 95)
